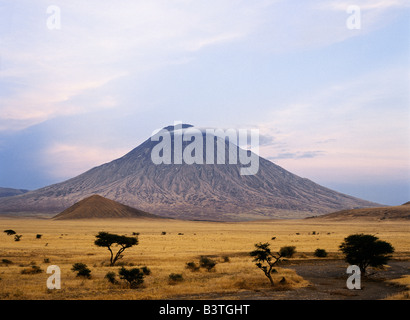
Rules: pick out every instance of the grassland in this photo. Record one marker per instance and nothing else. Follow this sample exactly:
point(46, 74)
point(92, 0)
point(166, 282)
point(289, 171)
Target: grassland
point(64, 243)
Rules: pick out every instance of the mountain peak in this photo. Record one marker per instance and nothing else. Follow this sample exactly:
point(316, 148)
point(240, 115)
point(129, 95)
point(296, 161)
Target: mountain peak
point(178, 126)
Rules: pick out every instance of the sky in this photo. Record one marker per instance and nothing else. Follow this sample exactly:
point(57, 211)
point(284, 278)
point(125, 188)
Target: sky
point(327, 83)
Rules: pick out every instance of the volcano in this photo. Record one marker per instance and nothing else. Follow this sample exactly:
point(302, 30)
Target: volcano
point(208, 191)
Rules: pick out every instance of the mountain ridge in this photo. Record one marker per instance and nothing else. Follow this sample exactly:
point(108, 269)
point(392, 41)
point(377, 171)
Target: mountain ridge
point(195, 191)
point(401, 212)
point(10, 192)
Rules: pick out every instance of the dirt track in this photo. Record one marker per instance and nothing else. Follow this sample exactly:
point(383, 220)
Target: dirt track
point(328, 279)
point(328, 282)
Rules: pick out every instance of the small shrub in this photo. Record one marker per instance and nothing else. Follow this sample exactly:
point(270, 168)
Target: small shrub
point(110, 276)
point(320, 253)
point(82, 270)
point(287, 251)
point(175, 278)
point(207, 263)
point(226, 259)
point(9, 232)
point(192, 266)
point(6, 261)
point(146, 271)
point(134, 277)
point(163, 233)
point(38, 236)
point(32, 270)
point(17, 237)
point(46, 260)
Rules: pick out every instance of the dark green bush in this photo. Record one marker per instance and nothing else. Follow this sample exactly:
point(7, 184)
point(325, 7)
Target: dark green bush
point(9, 232)
point(287, 251)
point(207, 263)
point(320, 253)
point(192, 266)
point(110, 276)
point(175, 277)
point(82, 270)
point(134, 277)
point(32, 270)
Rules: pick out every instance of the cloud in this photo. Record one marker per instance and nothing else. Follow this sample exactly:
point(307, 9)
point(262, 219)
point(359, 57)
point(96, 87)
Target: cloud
point(360, 127)
point(297, 155)
point(99, 43)
point(66, 160)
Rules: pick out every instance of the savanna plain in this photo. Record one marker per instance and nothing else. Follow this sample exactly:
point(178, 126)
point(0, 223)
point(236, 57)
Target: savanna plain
point(166, 246)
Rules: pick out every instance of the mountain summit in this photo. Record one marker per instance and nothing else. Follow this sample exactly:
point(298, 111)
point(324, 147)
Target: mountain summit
point(190, 191)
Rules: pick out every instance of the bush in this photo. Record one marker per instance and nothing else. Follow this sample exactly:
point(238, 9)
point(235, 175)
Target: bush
point(192, 266)
point(207, 263)
point(82, 270)
point(38, 236)
point(110, 276)
point(6, 261)
point(17, 237)
point(32, 270)
point(320, 253)
point(134, 277)
point(9, 232)
point(146, 271)
point(175, 277)
point(287, 251)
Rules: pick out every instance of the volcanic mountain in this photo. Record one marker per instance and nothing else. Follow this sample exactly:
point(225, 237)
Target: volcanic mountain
point(374, 214)
point(209, 191)
point(97, 207)
point(9, 192)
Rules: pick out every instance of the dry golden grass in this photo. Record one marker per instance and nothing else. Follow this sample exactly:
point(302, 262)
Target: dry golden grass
point(64, 243)
point(403, 281)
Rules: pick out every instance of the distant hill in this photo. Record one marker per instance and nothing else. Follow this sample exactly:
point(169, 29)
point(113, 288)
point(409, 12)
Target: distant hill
point(376, 214)
point(9, 192)
point(97, 207)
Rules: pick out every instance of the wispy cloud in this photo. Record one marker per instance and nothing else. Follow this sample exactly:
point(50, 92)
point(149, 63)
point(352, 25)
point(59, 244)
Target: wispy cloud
point(98, 43)
point(364, 120)
point(68, 160)
point(297, 155)
point(101, 42)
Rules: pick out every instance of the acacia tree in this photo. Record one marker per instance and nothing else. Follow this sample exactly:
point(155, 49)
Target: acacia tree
point(366, 250)
point(108, 240)
point(265, 259)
